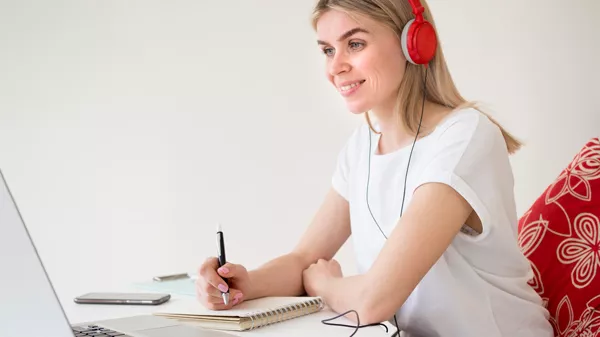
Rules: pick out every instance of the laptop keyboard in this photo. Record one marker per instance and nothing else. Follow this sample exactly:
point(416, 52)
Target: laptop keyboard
point(96, 331)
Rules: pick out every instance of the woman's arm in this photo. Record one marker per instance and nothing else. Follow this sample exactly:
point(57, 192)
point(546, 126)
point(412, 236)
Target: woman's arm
point(434, 216)
point(328, 231)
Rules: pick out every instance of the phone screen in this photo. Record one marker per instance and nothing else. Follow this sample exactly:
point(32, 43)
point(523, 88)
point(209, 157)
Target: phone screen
point(122, 298)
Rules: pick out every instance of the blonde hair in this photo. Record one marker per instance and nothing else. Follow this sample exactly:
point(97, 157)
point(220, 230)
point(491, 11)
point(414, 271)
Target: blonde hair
point(439, 86)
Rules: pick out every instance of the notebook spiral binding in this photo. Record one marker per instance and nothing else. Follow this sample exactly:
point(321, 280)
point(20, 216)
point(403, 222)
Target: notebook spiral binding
point(279, 314)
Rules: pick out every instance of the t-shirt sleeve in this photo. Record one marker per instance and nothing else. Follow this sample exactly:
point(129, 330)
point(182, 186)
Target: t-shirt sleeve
point(470, 156)
point(339, 181)
point(341, 174)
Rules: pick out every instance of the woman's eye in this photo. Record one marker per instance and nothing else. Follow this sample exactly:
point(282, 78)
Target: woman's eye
point(356, 45)
point(328, 51)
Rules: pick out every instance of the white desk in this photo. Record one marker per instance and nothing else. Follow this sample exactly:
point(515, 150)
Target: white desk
point(309, 325)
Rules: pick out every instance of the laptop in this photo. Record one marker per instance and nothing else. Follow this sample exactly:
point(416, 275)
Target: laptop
point(29, 305)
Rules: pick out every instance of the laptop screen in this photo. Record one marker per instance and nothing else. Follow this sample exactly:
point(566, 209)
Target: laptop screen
point(28, 303)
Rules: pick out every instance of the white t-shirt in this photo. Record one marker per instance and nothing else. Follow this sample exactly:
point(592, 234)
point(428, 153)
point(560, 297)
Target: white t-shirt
point(479, 286)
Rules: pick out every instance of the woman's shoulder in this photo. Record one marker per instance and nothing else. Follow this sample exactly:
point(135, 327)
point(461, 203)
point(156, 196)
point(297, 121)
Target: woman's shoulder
point(469, 125)
point(468, 118)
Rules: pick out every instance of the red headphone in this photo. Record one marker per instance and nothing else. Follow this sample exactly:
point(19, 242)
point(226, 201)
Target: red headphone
point(419, 40)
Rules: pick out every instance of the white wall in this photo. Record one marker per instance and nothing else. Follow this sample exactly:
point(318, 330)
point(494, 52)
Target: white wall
point(128, 129)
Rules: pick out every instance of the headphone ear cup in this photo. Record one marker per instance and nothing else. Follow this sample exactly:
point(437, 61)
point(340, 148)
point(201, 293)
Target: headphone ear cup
point(419, 42)
point(404, 41)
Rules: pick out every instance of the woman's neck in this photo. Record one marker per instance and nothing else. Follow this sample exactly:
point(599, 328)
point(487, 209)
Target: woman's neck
point(395, 135)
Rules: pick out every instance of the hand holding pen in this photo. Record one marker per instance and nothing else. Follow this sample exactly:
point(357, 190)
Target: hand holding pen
point(222, 262)
point(219, 280)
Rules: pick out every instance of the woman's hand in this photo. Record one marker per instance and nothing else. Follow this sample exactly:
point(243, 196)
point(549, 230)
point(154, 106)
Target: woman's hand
point(318, 274)
point(210, 284)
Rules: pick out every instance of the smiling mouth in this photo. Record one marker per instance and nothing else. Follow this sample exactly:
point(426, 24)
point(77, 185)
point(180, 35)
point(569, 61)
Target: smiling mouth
point(346, 88)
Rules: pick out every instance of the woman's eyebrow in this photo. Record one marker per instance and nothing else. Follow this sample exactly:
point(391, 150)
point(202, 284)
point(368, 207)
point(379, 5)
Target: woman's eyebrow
point(346, 34)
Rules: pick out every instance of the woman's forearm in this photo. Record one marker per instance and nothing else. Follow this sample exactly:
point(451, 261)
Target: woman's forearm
point(281, 276)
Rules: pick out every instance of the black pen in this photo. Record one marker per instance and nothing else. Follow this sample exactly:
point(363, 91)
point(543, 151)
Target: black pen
point(222, 260)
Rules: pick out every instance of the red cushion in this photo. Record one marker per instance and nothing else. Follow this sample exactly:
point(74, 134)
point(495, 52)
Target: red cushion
point(560, 234)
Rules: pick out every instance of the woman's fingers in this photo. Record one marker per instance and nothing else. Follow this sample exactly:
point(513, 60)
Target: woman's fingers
point(210, 285)
point(216, 303)
point(208, 272)
point(204, 287)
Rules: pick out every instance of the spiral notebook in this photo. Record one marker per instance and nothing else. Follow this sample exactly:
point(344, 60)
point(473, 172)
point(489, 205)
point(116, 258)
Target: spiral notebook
point(248, 315)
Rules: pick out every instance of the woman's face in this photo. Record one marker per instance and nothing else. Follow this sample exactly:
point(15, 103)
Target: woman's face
point(364, 60)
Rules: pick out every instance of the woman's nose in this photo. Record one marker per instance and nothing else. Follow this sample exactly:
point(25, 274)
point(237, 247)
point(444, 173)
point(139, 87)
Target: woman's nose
point(339, 64)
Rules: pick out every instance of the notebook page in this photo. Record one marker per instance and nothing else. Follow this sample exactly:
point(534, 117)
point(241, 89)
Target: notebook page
point(244, 309)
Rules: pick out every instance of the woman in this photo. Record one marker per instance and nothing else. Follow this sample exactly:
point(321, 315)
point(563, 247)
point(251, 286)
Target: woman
point(426, 191)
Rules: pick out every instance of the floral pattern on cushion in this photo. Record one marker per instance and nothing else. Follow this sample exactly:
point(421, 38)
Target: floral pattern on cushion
point(586, 326)
point(560, 235)
point(582, 249)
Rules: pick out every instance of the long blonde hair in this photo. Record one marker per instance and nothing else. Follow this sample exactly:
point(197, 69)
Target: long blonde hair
point(440, 86)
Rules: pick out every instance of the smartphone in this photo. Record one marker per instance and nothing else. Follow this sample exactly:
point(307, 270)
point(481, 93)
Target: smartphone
point(123, 298)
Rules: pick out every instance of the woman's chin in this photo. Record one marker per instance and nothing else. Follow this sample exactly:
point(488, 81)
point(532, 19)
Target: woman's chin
point(357, 108)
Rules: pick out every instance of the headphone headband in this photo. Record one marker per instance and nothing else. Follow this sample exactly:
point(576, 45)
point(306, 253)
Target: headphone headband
point(418, 9)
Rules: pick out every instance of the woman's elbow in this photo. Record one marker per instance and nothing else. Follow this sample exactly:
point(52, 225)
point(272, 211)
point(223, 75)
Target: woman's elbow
point(373, 313)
